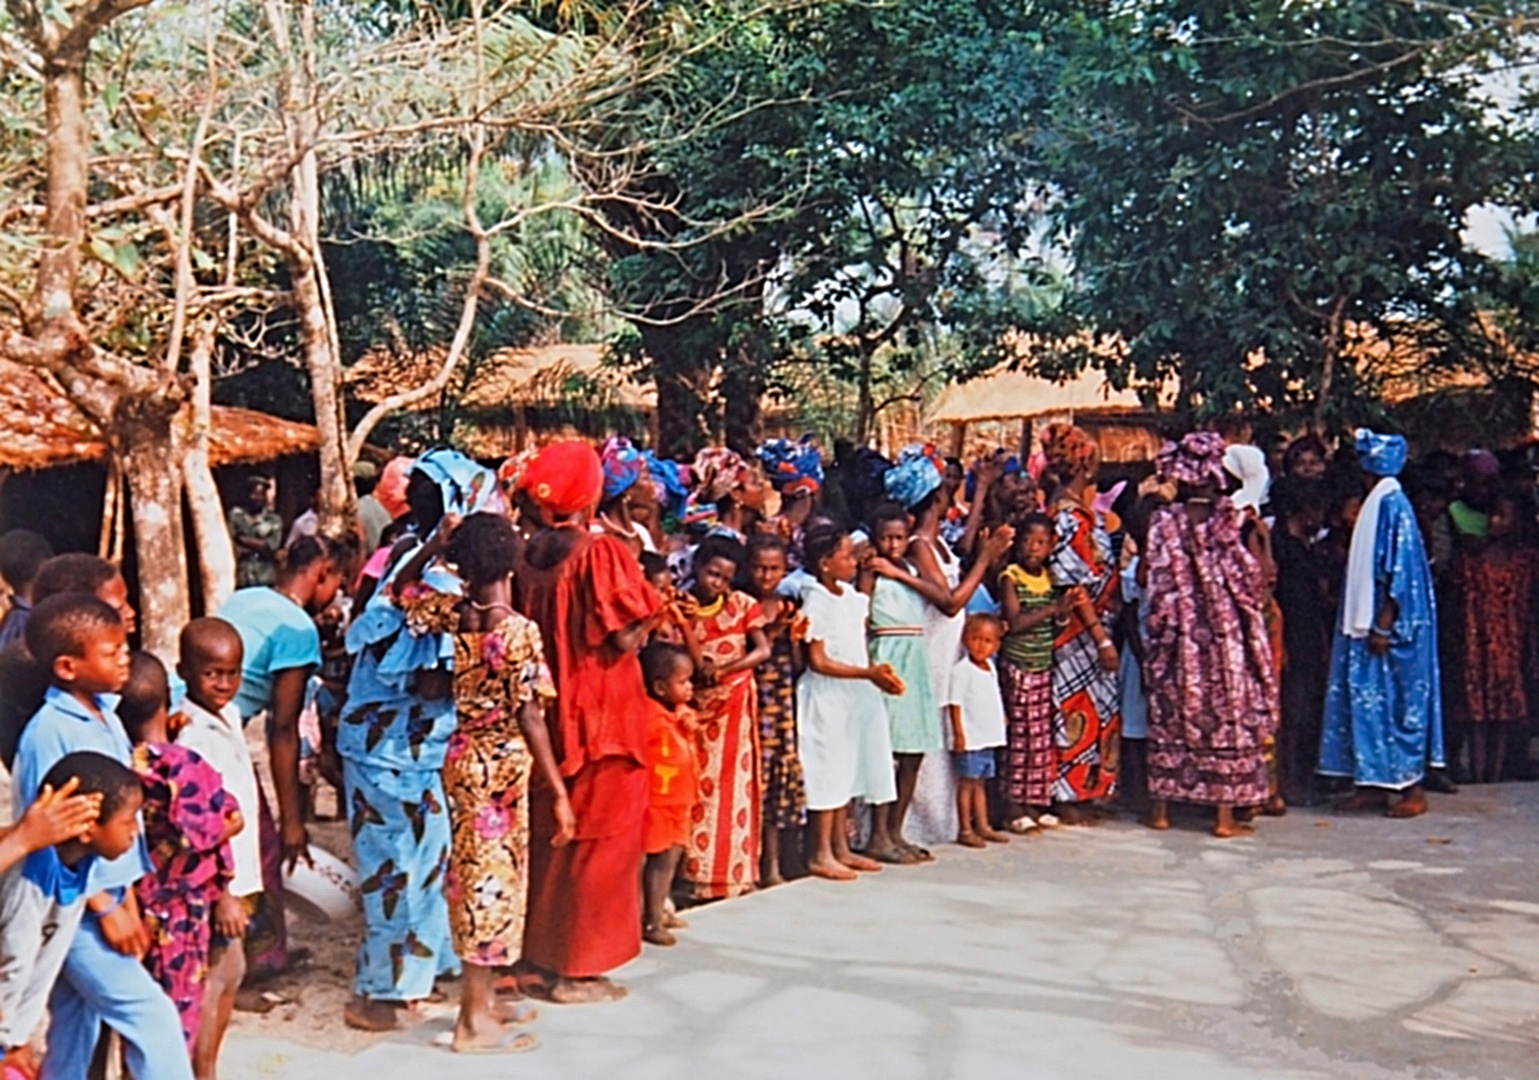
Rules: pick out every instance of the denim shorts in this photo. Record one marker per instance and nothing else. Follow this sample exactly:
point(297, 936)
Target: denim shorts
point(975, 764)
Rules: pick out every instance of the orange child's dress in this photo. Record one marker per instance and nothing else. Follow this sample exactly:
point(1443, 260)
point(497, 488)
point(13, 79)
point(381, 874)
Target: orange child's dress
point(675, 783)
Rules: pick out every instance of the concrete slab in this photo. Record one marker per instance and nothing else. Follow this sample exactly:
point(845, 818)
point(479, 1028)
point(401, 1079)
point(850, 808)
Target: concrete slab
point(1324, 948)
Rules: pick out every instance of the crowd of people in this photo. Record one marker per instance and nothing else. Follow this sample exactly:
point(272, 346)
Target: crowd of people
point(566, 698)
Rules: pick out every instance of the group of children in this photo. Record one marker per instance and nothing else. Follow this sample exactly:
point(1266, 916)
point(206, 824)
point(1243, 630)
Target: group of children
point(829, 689)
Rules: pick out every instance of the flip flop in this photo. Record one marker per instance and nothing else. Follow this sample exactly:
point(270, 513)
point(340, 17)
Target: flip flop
point(920, 854)
point(900, 857)
point(1023, 826)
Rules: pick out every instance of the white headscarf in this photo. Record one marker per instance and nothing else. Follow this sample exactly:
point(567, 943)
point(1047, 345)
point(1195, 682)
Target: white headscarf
point(1248, 465)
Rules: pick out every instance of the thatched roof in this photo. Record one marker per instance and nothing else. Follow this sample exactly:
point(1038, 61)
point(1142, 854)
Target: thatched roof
point(1006, 394)
point(546, 377)
point(41, 428)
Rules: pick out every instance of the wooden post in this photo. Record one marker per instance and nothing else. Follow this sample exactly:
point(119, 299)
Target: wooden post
point(958, 438)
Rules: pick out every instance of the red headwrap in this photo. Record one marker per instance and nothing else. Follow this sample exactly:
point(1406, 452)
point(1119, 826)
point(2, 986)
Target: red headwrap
point(391, 489)
point(564, 478)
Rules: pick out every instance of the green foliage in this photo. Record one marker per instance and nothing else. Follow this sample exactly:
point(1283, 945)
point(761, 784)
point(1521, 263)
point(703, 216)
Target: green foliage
point(1245, 182)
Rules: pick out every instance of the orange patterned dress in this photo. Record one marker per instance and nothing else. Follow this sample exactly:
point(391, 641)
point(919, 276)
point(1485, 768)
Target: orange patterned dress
point(722, 857)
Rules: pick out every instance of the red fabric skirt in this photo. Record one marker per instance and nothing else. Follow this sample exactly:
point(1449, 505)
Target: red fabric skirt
point(584, 916)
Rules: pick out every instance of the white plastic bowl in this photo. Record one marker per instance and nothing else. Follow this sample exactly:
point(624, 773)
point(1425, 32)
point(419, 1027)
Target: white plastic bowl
point(328, 890)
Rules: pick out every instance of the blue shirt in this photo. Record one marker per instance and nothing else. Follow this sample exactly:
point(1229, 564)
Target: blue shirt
point(277, 634)
point(63, 725)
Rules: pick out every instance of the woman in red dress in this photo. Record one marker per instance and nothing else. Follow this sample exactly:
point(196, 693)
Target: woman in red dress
point(587, 593)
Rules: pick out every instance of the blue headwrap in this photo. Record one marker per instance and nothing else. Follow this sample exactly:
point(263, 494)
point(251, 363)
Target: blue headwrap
point(1382, 455)
point(668, 476)
point(793, 468)
point(467, 488)
point(916, 474)
point(622, 466)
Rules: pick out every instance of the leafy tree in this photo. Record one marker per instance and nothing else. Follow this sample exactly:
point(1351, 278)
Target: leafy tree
point(1244, 186)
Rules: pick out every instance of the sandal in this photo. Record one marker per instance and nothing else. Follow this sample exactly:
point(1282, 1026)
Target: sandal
point(1023, 826)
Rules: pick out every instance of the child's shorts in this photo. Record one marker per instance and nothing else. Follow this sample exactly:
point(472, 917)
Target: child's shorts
point(667, 827)
point(975, 764)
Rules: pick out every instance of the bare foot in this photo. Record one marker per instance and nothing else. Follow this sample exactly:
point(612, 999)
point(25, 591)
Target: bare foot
point(833, 870)
point(917, 853)
point(1159, 822)
point(365, 1014)
point(993, 836)
point(1246, 813)
point(771, 880)
point(859, 862)
point(658, 935)
point(1077, 814)
point(563, 991)
point(1230, 831)
point(971, 839)
point(1275, 806)
point(1362, 800)
point(674, 921)
point(511, 1012)
point(497, 1041)
point(1408, 807)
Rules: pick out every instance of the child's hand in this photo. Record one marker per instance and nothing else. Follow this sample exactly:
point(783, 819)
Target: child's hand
point(234, 824)
point(230, 917)
point(688, 607)
point(886, 680)
point(706, 676)
point(21, 1061)
point(882, 567)
point(125, 931)
point(1078, 597)
point(57, 816)
point(566, 822)
point(801, 625)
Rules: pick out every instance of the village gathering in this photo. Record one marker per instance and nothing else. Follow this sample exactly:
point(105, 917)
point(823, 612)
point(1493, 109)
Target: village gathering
point(827, 539)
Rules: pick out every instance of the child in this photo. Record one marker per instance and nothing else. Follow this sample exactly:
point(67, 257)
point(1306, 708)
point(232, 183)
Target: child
point(784, 791)
point(1494, 584)
point(189, 819)
point(43, 900)
point(669, 624)
point(897, 639)
point(78, 572)
point(726, 642)
point(977, 727)
point(842, 733)
point(1030, 608)
point(672, 728)
point(22, 553)
point(211, 655)
point(82, 643)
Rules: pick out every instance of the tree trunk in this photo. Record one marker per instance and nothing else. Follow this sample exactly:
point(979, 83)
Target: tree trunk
point(147, 445)
point(742, 389)
point(681, 420)
point(865, 402)
point(216, 553)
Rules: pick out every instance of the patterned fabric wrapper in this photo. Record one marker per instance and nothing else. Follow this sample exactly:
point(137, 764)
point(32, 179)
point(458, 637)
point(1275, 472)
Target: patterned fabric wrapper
point(720, 472)
point(1067, 443)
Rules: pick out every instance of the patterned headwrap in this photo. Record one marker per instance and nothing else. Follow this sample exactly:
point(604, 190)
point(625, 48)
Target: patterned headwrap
point(1382, 455)
point(720, 472)
point(1196, 459)
point(467, 488)
point(622, 466)
point(919, 471)
point(512, 470)
point(1067, 443)
point(794, 468)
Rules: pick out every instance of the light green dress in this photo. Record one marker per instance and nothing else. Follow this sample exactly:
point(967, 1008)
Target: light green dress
point(898, 638)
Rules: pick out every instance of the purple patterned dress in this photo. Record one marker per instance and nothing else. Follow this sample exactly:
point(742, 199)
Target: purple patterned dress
point(1207, 662)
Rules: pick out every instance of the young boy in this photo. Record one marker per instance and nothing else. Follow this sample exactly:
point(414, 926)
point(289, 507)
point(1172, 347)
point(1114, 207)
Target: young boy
point(42, 900)
point(22, 552)
point(977, 728)
point(211, 656)
point(80, 641)
point(671, 725)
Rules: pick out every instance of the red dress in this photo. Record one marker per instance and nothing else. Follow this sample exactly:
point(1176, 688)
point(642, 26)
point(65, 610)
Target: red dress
point(1495, 591)
point(722, 858)
point(584, 915)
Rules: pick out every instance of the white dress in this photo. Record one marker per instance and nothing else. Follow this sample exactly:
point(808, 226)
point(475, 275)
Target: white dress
point(933, 817)
point(841, 724)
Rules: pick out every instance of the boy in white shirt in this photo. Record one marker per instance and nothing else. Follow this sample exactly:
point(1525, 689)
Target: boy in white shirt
point(977, 715)
point(211, 656)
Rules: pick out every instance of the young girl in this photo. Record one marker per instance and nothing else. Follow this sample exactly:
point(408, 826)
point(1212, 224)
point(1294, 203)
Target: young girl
point(1030, 607)
point(501, 689)
point(726, 642)
point(977, 727)
point(841, 723)
point(1494, 586)
point(784, 792)
point(672, 728)
point(189, 819)
point(897, 640)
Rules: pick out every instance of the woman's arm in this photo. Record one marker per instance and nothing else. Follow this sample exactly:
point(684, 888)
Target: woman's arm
point(531, 721)
point(931, 582)
point(288, 700)
point(758, 652)
point(880, 675)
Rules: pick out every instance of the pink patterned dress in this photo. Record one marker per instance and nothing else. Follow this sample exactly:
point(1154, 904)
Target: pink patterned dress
point(1207, 663)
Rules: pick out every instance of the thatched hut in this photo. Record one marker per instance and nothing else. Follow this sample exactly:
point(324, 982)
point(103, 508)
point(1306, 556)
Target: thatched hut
point(56, 473)
point(1005, 407)
point(514, 398)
